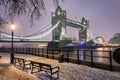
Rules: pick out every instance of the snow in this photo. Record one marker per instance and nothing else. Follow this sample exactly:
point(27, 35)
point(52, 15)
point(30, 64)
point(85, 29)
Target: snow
point(68, 71)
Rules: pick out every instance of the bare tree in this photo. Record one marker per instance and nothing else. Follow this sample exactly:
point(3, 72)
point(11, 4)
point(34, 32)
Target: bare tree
point(9, 9)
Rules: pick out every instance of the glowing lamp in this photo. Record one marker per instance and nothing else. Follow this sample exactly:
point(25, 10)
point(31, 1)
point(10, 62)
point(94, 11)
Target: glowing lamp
point(12, 26)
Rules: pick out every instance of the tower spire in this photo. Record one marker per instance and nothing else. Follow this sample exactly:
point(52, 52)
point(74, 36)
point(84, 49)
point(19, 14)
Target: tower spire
point(56, 2)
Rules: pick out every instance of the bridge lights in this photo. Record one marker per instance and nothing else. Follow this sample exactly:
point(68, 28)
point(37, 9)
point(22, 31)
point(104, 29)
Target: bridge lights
point(53, 14)
point(12, 26)
point(84, 22)
point(58, 12)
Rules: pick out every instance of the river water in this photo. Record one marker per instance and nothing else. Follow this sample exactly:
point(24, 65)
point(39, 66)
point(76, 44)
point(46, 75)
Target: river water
point(101, 55)
point(98, 52)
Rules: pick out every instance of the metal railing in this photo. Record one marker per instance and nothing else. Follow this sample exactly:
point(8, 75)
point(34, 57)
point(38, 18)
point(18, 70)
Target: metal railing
point(76, 56)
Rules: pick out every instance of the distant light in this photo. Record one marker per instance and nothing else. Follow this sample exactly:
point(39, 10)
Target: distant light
point(84, 22)
point(53, 14)
point(58, 13)
point(81, 44)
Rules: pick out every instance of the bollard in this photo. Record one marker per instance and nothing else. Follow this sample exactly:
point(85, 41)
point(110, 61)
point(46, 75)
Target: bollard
point(61, 58)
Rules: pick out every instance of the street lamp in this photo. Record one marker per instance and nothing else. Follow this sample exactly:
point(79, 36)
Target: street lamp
point(12, 26)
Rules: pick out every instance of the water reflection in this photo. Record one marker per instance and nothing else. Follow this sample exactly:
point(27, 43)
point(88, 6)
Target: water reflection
point(82, 56)
point(102, 56)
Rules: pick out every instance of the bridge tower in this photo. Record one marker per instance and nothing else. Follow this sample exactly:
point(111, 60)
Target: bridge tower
point(59, 32)
point(83, 31)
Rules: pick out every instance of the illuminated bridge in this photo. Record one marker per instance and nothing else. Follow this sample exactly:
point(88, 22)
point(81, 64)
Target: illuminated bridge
point(57, 27)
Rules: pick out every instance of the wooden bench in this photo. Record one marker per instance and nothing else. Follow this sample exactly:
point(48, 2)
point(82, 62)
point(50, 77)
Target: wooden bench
point(47, 68)
point(22, 62)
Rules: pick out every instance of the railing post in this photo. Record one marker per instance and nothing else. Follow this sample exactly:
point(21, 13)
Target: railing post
point(67, 56)
point(32, 51)
point(84, 55)
point(52, 54)
point(42, 52)
point(35, 51)
point(47, 52)
point(110, 57)
point(19, 50)
point(0, 49)
point(28, 50)
point(38, 52)
point(78, 56)
point(91, 51)
point(59, 52)
point(22, 50)
point(8, 50)
point(4, 50)
point(16, 50)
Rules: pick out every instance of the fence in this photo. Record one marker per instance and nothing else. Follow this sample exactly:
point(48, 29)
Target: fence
point(87, 57)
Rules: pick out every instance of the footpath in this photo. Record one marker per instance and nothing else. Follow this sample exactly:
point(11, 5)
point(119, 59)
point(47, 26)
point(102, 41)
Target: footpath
point(68, 71)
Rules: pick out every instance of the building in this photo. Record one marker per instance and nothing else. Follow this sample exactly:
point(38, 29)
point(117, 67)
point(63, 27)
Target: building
point(115, 40)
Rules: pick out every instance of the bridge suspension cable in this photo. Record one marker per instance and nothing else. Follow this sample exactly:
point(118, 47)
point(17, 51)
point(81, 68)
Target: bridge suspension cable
point(41, 33)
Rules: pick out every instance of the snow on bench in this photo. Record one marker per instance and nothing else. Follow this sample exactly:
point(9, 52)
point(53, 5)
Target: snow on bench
point(47, 68)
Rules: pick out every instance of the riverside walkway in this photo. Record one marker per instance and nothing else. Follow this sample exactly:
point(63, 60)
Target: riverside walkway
point(68, 71)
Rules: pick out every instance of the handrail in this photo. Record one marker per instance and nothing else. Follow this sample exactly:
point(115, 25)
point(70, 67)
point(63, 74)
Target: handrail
point(79, 55)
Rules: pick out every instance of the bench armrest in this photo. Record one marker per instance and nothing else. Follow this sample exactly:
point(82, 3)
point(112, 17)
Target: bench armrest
point(56, 67)
point(27, 60)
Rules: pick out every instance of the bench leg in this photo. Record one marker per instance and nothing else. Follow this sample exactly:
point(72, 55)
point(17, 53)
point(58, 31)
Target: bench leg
point(31, 66)
point(31, 69)
point(23, 66)
point(14, 63)
point(51, 77)
point(58, 74)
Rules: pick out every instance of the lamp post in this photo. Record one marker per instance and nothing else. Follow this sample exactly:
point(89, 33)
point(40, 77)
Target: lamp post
point(12, 26)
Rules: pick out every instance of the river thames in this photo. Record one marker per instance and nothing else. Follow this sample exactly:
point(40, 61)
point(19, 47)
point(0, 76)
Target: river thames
point(100, 55)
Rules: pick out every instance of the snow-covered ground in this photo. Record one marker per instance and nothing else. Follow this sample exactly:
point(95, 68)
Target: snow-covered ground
point(68, 71)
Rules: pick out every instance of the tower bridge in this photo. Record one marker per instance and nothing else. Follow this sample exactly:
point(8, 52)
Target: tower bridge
point(59, 32)
point(59, 22)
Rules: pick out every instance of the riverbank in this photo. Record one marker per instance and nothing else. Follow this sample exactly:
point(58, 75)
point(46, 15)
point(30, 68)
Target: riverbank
point(68, 71)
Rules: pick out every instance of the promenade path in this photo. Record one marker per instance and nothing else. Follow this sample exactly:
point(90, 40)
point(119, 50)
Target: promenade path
point(68, 71)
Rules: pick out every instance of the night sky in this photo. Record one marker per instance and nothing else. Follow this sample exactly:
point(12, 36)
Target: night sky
point(104, 17)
